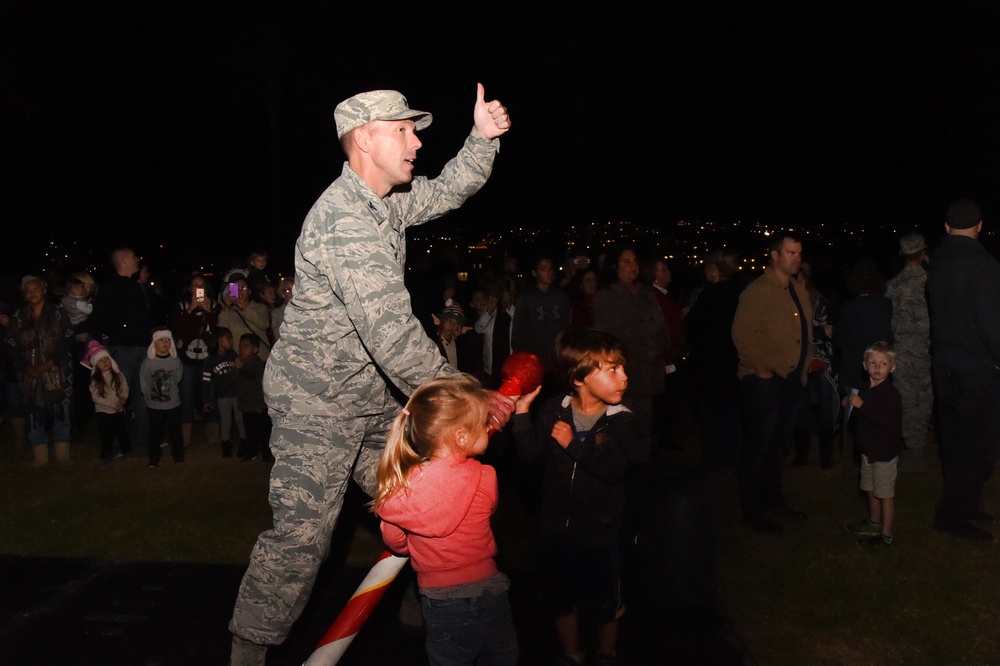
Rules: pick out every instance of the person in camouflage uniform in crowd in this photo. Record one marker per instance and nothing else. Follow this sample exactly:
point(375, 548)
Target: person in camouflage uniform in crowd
point(911, 329)
point(349, 332)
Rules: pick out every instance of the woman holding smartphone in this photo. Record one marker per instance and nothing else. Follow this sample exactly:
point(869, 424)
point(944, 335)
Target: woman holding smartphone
point(241, 314)
point(193, 321)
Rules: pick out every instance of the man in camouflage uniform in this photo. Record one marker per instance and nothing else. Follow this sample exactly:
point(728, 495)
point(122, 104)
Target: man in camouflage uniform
point(911, 330)
point(348, 332)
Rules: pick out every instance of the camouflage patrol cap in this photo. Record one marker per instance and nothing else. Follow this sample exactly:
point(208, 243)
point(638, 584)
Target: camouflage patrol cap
point(365, 107)
point(911, 244)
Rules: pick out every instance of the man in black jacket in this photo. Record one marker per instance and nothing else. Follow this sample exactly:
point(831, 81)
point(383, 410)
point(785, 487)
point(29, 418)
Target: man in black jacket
point(963, 288)
point(123, 314)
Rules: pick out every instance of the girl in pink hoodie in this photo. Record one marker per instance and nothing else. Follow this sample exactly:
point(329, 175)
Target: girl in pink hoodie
point(435, 501)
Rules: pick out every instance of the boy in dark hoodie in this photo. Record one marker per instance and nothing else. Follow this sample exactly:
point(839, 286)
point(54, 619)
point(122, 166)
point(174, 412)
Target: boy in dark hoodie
point(589, 440)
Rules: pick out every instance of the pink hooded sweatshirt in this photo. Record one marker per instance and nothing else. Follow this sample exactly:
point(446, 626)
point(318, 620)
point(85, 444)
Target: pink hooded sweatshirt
point(442, 521)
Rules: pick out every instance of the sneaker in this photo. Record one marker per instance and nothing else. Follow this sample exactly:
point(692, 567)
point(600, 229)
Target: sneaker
point(569, 661)
point(877, 541)
point(605, 660)
point(865, 527)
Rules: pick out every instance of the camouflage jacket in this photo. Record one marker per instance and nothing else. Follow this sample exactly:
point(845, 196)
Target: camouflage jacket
point(911, 324)
point(350, 320)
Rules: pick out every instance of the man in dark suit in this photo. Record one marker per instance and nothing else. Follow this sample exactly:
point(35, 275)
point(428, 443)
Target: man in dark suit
point(493, 324)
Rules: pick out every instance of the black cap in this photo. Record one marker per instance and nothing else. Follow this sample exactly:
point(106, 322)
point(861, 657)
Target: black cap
point(963, 214)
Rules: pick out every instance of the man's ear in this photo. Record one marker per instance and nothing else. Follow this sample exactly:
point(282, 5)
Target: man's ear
point(361, 138)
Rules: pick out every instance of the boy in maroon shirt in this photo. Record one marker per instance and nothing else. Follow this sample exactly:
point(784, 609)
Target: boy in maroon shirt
point(879, 410)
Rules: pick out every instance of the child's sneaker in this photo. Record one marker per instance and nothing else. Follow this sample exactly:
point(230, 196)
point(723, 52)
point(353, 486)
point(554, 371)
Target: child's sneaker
point(865, 527)
point(877, 541)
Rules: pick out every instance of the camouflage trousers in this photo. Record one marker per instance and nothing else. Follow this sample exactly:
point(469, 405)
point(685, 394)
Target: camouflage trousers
point(912, 379)
point(315, 458)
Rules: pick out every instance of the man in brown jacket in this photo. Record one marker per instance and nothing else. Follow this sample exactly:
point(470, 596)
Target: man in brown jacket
point(771, 333)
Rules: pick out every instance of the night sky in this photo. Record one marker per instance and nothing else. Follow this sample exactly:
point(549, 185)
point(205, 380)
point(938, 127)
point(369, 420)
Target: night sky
point(209, 126)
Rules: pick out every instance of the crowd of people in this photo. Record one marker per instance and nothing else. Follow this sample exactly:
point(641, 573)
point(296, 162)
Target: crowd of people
point(78, 351)
point(336, 376)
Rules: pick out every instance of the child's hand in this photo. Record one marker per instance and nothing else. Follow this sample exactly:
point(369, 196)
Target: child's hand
point(843, 401)
point(855, 400)
point(562, 432)
point(523, 403)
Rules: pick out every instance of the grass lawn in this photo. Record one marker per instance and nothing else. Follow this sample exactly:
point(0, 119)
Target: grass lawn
point(808, 596)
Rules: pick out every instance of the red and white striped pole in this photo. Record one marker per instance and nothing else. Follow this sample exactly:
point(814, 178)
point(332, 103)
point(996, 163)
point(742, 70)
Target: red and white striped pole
point(347, 625)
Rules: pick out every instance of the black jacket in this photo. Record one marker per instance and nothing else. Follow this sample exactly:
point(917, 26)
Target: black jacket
point(583, 493)
point(121, 312)
point(963, 295)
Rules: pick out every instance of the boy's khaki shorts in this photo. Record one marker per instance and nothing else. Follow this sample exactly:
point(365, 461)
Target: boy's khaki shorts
point(879, 478)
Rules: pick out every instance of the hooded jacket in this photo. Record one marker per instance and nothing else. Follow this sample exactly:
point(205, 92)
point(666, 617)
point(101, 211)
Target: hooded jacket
point(442, 521)
point(583, 492)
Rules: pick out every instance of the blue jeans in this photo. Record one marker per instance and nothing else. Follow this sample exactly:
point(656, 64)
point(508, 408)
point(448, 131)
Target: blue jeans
point(475, 630)
point(56, 423)
point(771, 407)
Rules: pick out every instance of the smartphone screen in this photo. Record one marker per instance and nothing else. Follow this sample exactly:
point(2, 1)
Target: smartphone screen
point(234, 290)
point(199, 293)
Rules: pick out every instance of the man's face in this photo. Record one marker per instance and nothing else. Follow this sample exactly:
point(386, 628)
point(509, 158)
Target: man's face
point(478, 301)
point(393, 147)
point(663, 276)
point(545, 272)
point(130, 263)
point(628, 267)
point(788, 258)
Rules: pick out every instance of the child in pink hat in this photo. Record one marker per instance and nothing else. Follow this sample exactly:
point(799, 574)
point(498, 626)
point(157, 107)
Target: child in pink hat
point(109, 391)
